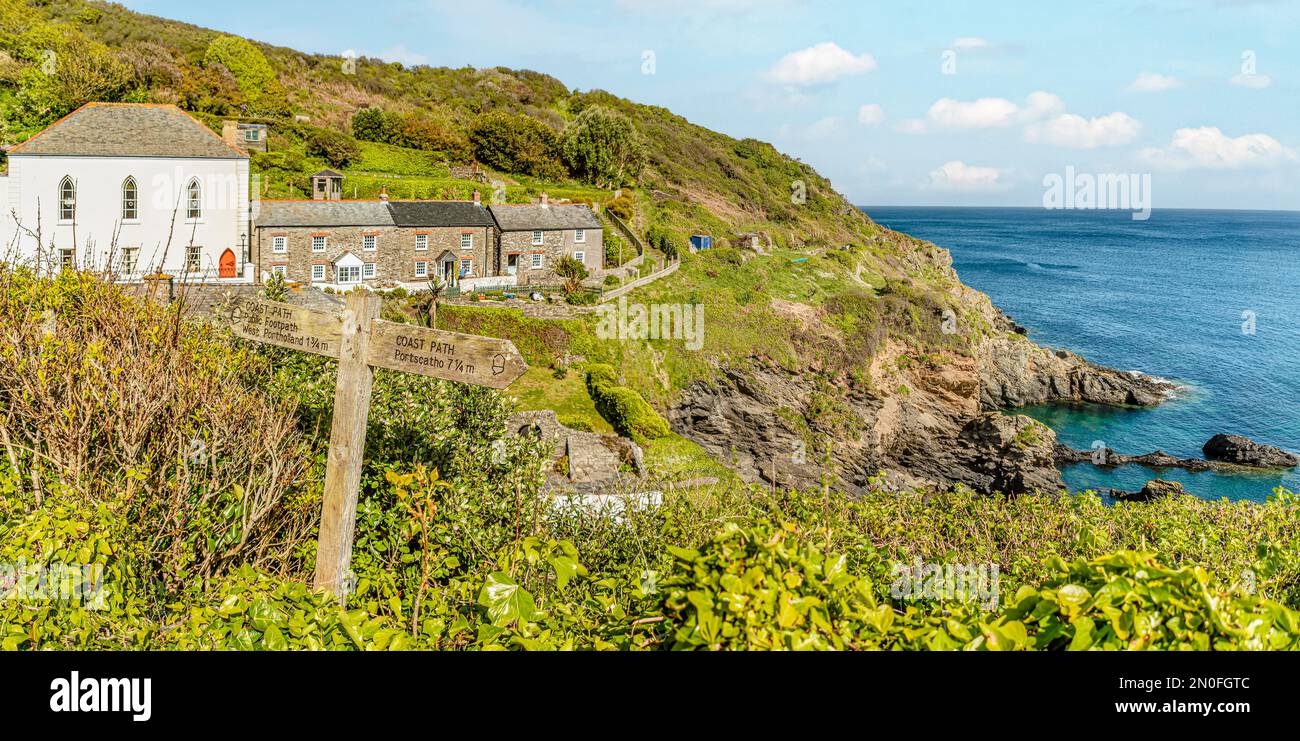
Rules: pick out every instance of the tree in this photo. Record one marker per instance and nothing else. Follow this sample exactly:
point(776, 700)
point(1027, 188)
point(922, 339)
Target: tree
point(433, 133)
point(375, 125)
point(334, 147)
point(572, 271)
point(517, 143)
point(603, 147)
point(256, 77)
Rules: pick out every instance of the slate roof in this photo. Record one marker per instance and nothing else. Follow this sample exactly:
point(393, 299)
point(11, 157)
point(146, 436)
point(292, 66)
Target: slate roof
point(324, 213)
point(129, 130)
point(530, 217)
point(372, 213)
point(439, 213)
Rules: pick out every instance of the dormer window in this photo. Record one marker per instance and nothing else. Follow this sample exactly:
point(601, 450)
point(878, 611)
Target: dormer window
point(194, 200)
point(130, 204)
point(67, 200)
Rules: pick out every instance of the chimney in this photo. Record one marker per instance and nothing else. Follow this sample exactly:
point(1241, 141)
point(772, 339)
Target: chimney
point(383, 193)
point(544, 203)
point(478, 199)
point(230, 132)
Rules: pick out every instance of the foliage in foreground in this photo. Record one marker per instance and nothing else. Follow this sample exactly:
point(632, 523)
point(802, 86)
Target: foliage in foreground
point(458, 548)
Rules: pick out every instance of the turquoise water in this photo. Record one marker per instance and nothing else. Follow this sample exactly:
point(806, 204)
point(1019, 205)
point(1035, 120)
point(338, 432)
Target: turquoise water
point(1173, 297)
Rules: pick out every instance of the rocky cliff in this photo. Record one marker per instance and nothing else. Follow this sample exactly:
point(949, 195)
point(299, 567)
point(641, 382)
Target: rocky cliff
point(920, 418)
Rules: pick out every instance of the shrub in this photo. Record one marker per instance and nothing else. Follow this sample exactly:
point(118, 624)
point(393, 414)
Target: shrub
point(125, 401)
point(623, 408)
point(517, 143)
point(339, 150)
point(765, 587)
point(603, 147)
point(666, 241)
point(622, 206)
point(256, 77)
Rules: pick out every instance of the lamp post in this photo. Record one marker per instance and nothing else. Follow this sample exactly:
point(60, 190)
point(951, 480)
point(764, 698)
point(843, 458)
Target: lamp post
point(243, 247)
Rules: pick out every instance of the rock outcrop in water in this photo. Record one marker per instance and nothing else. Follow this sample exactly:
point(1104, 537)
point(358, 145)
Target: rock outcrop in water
point(1153, 490)
point(1243, 451)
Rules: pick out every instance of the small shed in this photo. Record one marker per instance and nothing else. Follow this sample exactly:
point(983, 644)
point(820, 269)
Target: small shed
point(327, 185)
point(701, 242)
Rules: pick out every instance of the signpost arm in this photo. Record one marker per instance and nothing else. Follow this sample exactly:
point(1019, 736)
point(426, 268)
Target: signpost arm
point(347, 444)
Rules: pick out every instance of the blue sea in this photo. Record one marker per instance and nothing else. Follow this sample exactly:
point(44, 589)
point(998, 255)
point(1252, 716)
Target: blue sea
point(1207, 299)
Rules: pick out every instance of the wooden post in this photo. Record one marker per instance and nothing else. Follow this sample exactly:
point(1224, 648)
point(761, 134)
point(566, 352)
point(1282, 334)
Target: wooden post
point(347, 445)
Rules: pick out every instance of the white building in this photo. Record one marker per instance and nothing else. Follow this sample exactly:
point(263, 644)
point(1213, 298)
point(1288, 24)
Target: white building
point(133, 189)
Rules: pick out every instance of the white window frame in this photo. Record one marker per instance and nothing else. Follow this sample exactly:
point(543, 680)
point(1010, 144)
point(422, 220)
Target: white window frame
point(279, 244)
point(67, 200)
point(369, 242)
point(537, 261)
point(466, 268)
point(280, 270)
point(580, 256)
point(369, 270)
point(421, 269)
point(467, 241)
point(193, 258)
point(252, 135)
point(67, 258)
point(539, 236)
point(323, 241)
point(194, 200)
point(130, 205)
point(421, 242)
point(580, 235)
point(348, 271)
point(128, 266)
point(318, 273)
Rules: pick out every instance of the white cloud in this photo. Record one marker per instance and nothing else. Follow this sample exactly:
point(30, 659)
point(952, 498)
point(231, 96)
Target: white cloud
point(820, 64)
point(1152, 82)
point(970, 43)
point(977, 114)
point(1209, 148)
point(1040, 104)
point(992, 112)
point(1256, 81)
point(959, 176)
point(871, 114)
point(1077, 132)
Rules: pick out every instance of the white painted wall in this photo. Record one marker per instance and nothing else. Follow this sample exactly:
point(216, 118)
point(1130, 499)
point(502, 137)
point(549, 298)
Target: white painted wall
point(32, 190)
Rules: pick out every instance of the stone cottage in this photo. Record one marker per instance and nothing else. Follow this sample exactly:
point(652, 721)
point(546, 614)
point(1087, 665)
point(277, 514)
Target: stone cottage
point(534, 237)
point(380, 244)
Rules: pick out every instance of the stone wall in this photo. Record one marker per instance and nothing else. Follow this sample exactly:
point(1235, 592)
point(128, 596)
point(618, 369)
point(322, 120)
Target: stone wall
point(557, 244)
point(395, 255)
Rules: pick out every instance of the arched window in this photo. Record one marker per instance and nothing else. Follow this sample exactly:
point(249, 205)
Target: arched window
point(130, 209)
point(194, 200)
point(67, 200)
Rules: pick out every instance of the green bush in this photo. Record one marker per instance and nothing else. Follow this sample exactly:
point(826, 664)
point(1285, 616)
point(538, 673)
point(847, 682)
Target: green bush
point(517, 143)
point(626, 410)
point(338, 149)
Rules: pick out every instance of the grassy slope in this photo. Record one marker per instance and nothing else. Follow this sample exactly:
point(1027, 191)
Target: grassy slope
point(826, 313)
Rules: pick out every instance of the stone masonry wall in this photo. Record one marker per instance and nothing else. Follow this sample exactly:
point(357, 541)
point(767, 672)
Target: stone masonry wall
point(395, 254)
point(558, 243)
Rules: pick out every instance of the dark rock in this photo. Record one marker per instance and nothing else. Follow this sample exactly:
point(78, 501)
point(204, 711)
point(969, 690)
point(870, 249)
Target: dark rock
point(1153, 490)
point(1246, 452)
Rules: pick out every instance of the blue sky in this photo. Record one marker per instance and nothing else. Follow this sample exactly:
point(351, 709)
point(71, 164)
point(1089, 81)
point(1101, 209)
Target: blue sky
point(945, 102)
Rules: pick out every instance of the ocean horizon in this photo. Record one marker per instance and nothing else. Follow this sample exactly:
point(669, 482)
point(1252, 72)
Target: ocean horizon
point(1202, 297)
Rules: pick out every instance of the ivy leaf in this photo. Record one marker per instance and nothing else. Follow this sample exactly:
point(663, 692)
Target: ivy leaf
point(565, 569)
point(506, 601)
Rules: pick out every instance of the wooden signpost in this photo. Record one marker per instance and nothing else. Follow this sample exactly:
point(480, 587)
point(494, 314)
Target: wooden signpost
point(360, 341)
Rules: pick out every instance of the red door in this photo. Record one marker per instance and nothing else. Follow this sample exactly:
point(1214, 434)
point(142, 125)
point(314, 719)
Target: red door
point(226, 268)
